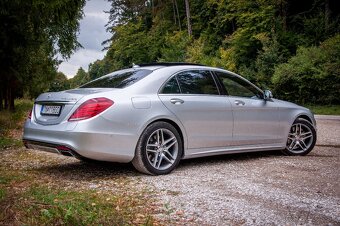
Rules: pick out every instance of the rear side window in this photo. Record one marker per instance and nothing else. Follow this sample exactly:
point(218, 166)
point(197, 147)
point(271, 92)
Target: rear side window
point(171, 87)
point(197, 82)
point(119, 79)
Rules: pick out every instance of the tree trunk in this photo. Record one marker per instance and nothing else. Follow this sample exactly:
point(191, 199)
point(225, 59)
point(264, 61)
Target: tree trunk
point(1, 95)
point(187, 9)
point(1, 101)
point(6, 96)
point(283, 14)
point(179, 21)
point(327, 14)
point(11, 98)
point(174, 11)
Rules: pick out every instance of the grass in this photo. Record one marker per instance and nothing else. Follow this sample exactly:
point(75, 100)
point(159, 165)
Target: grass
point(26, 199)
point(324, 110)
point(2, 194)
point(13, 121)
point(47, 206)
point(31, 196)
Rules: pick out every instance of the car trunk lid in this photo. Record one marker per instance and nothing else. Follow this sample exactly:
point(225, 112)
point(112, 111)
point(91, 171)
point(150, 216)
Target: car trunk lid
point(52, 108)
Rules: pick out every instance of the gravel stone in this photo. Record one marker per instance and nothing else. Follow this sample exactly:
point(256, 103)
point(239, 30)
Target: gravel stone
point(263, 188)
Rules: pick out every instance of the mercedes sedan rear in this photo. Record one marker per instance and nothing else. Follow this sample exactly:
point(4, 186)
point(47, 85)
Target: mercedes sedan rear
point(155, 115)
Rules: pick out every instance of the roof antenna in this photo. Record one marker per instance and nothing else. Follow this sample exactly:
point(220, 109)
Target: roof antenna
point(134, 65)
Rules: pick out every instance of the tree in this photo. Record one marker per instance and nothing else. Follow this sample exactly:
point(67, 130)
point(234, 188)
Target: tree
point(312, 75)
point(59, 83)
point(99, 68)
point(187, 10)
point(254, 38)
point(79, 79)
point(31, 34)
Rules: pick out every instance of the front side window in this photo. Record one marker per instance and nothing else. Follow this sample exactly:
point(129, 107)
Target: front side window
point(197, 82)
point(119, 79)
point(236, 86)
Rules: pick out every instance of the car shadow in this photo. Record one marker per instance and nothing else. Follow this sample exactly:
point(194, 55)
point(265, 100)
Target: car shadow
point(216, 159)
point(80, 170)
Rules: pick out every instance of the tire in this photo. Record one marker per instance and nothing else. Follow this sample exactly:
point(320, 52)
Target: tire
point(301, 138)
point(158, 150)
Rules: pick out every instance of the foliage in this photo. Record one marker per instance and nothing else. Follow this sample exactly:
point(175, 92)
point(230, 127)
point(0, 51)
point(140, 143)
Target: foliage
point(252, 38)
point(59, 83)
point(79, 79)
point(255, 38)
point(174, 48)
point(313, 75)
point(99, 68)
point(13, 121)
point(31, 34)
point(324, 109)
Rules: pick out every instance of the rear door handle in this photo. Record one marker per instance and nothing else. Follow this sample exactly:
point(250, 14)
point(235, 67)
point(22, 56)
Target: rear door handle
point(176, 101)
point(239, 102)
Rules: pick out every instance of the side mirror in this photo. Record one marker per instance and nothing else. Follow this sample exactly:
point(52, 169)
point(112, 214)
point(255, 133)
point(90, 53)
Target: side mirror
point(267, 95)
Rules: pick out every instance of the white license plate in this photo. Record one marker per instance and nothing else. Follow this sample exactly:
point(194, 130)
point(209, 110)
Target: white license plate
point(50, 110)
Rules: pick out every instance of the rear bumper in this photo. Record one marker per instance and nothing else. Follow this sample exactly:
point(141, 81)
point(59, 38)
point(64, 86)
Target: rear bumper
point(80, 141)
point(53, 148)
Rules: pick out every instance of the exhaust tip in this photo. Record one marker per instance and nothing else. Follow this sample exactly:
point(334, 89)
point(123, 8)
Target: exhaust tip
point(64, 150)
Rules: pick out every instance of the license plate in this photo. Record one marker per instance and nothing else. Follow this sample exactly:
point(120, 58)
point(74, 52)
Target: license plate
point(50, 110)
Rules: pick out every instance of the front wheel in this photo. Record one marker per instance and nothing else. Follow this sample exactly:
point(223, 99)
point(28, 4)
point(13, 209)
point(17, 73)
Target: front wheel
point(301, 138)
point(159, 149)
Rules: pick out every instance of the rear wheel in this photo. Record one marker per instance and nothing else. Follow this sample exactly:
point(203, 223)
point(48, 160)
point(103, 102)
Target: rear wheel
point(159, 149)
point(301, 138)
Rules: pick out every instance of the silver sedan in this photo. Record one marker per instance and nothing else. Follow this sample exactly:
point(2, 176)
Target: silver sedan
point(157, 114)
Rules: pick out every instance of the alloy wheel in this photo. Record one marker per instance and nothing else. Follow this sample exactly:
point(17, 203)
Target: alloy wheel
point(300, 138)
point(162, 149)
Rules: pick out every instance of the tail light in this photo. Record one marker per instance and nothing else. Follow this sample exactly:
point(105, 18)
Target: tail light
point(91, 108)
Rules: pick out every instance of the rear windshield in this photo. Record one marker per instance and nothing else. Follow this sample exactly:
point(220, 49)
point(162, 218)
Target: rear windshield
point(119, 79)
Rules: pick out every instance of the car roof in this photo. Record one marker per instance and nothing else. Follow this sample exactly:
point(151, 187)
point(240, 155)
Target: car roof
point(166, 64)
point(179, 65)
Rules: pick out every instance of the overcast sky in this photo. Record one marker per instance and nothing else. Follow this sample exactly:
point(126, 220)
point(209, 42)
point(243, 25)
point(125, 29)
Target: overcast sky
point(92, 34)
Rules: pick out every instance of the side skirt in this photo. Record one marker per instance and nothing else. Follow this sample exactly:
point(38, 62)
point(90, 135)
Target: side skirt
point(195, 153)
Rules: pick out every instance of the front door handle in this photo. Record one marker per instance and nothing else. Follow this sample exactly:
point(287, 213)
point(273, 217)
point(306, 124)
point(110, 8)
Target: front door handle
point(239, 102)
point(176, 101)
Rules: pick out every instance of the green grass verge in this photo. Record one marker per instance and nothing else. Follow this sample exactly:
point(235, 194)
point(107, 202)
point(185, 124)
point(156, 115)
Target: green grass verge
point(10, 121)
point(49, 207)
point(26, 201)
point(324, 110)
point(2, 194)
point(6, 142)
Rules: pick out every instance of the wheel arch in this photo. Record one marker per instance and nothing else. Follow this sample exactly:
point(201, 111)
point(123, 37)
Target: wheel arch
point(305, 117)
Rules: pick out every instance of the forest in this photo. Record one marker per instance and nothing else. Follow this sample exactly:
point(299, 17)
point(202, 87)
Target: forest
point(290, 47)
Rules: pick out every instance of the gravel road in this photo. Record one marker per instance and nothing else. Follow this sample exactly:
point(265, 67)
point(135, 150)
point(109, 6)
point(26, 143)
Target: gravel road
point(263, 188)
point(256, 189)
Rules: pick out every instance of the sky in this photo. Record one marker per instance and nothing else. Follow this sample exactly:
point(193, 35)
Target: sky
point(91, 34)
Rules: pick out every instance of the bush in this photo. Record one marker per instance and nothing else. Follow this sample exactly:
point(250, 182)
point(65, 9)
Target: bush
point(312, 75)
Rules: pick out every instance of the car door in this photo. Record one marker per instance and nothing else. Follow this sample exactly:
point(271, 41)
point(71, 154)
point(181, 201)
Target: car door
point(193, 97)
point(256, 121)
